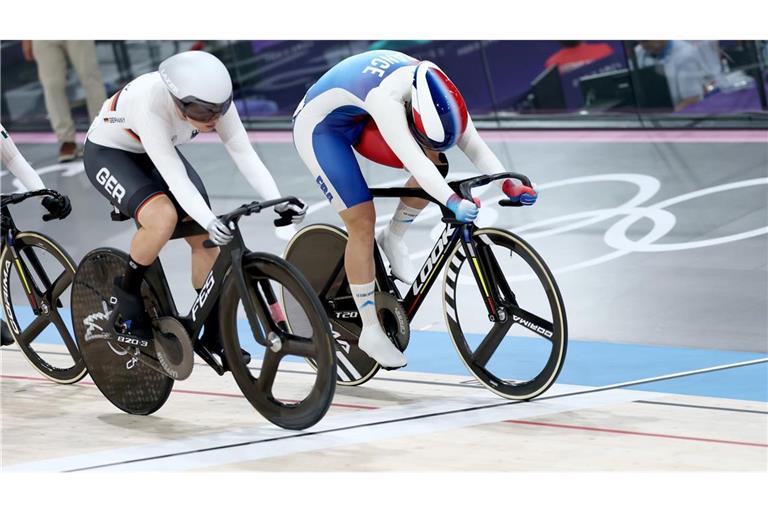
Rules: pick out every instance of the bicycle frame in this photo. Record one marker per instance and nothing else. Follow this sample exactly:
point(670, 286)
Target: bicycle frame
point(230, 258)
point(484, 267)
point(483, 263)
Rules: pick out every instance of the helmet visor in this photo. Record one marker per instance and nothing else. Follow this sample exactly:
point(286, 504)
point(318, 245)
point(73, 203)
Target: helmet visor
point(202, 111)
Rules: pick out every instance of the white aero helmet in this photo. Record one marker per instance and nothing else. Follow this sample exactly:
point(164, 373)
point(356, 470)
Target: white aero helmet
point(199, 84)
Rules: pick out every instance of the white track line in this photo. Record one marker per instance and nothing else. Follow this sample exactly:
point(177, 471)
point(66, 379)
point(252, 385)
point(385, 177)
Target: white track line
point(365, 426)
point(669, 376)
point(267, 441)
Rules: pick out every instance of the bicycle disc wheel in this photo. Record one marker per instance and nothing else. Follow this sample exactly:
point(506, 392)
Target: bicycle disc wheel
point(48, 269)
point(276, 386)
point(316, 251)
point(521, 356)
point(131, 386)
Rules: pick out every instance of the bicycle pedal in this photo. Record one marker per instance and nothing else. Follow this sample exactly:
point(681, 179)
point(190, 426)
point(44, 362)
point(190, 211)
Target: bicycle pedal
point(215, 347)
point(207, 356)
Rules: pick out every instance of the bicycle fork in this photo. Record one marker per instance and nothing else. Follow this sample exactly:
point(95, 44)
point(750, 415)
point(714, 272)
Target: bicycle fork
point(263, 318)
point(484, 268)
point(34, 295)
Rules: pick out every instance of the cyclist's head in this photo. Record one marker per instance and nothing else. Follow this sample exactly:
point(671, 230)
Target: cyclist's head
point(199, 84)
point(437, 114)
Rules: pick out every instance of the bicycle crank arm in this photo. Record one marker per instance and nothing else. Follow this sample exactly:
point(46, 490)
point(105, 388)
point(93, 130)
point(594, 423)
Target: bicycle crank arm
point(152, 363)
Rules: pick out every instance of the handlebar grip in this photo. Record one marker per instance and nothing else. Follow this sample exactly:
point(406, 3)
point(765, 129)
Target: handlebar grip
point(465, 189)
point(9, 199)
point(208, 244)
point(294, 201)
point(509, 202)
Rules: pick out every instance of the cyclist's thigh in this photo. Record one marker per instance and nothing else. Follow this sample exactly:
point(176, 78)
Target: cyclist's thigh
point(126, 179)
point(327, 150)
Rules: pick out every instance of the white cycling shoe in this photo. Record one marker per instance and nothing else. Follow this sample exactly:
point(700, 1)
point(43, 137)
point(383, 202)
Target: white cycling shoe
point(376, 344)
point(397, 254)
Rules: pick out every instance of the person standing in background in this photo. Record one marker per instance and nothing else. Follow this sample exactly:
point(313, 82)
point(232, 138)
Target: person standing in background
point(51, 58)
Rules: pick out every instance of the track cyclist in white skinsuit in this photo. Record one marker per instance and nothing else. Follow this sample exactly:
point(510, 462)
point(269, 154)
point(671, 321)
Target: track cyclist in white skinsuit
point(131, 158)
point(400, 112)
point(14, 161)
point(58, 208)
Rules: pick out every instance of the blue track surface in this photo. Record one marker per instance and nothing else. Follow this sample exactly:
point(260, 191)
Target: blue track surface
point(590, 363)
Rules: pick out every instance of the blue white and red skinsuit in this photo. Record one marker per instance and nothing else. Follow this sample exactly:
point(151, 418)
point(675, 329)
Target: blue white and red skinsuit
point(360, 103)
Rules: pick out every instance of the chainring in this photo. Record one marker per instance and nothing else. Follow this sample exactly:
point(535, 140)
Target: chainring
point(393, 319)
point(174, 348)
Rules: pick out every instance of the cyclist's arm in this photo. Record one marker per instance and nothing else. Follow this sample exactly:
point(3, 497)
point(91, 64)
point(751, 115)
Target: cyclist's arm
point(486, 162)
point(15, 162)
point(157, 143)
point(478, 151)
point(389, 115)
point(235, 139)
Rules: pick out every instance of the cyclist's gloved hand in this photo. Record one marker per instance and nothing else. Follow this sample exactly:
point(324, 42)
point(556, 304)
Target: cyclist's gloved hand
point(58, 207)
point(295, 212)
point(520, 193)
point(219, 233)
point(465, 211)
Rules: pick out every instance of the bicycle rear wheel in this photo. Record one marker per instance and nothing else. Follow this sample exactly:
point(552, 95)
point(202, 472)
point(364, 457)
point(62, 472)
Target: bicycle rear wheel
point(47, 269)
point(303, 399)
point(318, 251)
point(521, 356)
point(131, 386)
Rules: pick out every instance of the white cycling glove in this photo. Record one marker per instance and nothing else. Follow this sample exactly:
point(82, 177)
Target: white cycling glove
point(219, 233)
point(297, 213)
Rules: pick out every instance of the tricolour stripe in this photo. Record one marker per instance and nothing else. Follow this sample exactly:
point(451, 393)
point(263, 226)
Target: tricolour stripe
point(425, 104)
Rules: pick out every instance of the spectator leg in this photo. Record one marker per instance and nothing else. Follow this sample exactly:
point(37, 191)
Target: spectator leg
point(82, 54)
point(52, 71)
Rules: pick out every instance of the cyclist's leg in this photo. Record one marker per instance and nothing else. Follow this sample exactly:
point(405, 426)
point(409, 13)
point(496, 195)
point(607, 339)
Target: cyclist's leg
point(373, 146)
point(326, 149)
point(131, 183)
point(203, 259)
point(158, 218)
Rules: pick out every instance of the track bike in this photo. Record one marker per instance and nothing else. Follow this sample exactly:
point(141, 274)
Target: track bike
point(503, 309)
point(137, 374)
point(42, 272)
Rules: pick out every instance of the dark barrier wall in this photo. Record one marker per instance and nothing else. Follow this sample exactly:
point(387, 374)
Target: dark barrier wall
point(505, 83)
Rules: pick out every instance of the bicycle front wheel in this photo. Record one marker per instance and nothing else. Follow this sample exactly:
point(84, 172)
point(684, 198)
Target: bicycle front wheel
point(280, 386)
point(44, 271)
point(519, 353)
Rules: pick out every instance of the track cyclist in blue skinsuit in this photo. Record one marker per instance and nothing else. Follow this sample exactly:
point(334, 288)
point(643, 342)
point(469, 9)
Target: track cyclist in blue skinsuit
point(396, 111)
